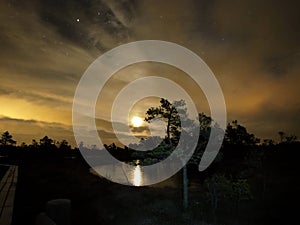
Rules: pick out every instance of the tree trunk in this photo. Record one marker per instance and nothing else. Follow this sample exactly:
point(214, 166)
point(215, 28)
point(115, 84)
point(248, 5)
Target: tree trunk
point(168, 129)
point(185, 188)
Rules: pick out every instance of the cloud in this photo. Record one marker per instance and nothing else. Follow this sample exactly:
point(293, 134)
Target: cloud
point(26, 130)
point(251, 46)
point(35, 97)
point(86, 23)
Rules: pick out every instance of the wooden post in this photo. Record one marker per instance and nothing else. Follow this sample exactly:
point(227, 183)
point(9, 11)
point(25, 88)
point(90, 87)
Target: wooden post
point(43, 219)
point(59, 210)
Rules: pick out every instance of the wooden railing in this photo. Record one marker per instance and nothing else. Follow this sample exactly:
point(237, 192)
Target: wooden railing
point(7, 194)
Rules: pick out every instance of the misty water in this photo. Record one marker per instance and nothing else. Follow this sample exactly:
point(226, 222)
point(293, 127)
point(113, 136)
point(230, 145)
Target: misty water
point(134, 178)
point(135, 175)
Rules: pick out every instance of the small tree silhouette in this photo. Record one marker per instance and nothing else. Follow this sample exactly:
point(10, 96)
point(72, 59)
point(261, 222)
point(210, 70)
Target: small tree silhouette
point(281, 135)
point(6, 139)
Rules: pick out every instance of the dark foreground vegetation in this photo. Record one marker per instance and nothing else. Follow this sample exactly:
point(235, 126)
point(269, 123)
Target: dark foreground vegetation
point(254, 184)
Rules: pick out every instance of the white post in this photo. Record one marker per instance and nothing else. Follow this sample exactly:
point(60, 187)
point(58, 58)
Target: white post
point(185, 187)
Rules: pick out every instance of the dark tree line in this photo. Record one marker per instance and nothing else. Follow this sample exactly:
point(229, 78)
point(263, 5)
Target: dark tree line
point(45, 143)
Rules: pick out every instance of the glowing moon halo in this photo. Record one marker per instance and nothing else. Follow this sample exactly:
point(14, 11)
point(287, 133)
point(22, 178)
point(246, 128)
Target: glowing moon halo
point(136, 121)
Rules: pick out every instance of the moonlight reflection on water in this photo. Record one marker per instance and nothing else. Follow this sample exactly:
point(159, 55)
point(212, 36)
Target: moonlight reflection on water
point(137, 176)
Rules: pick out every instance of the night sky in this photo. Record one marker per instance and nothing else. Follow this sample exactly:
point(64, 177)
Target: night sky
point(252, 46)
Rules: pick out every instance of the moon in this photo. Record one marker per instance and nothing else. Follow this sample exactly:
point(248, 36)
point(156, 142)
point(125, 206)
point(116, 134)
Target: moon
point(136, 121)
